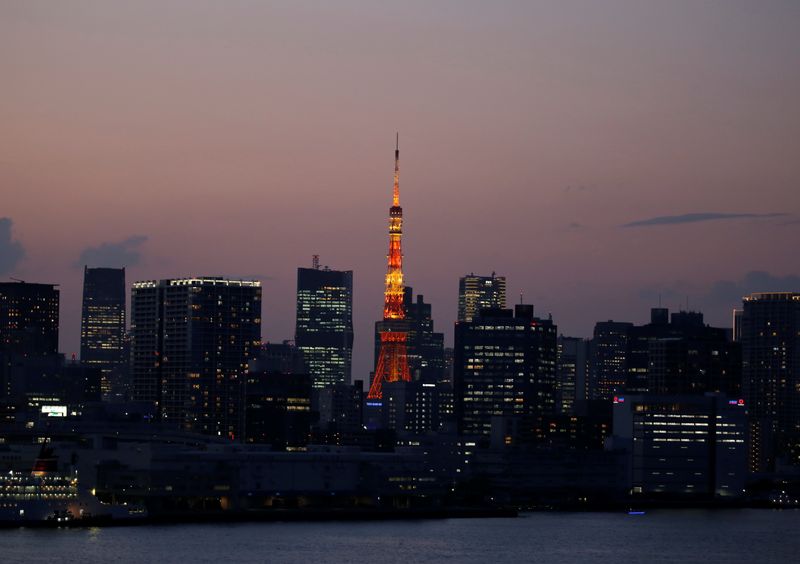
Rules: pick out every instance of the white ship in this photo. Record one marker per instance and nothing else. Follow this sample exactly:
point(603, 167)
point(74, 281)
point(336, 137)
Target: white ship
point(45, 496)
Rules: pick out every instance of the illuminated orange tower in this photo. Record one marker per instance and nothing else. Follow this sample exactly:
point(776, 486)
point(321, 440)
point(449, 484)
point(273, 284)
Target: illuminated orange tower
point(393, 361)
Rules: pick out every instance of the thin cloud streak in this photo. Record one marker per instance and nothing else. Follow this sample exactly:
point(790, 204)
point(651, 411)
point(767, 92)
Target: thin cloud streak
point(698, 217)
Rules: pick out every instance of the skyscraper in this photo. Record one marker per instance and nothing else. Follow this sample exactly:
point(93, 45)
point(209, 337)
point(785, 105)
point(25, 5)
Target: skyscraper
point(324, 329)
point(29, 318)
point(770, 336)
point(479, 292)
point(103, 322)
point(505, 365)
point(392, 363)
point(609, 350)
point(572, 368)
point(191, 342)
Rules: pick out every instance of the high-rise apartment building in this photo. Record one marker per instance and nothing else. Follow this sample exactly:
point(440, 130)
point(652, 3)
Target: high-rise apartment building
point(103, 323)
point(324, 329)
point(28, 318)
point(770, 337)
point(191, 342)
point(480, 292)
point(505, 365)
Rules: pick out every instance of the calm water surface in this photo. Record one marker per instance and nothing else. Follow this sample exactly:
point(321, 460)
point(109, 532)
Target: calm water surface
point(659, 536)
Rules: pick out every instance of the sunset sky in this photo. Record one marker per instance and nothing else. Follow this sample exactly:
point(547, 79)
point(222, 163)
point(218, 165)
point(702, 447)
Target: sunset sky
point(598, 154)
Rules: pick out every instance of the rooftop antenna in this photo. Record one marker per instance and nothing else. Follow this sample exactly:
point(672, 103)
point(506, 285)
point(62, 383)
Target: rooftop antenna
point(659, 299)
point(520, 297)
point(396, 190)
point(315, 262)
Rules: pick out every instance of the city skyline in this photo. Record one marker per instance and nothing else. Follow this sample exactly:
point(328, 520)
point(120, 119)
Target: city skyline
point(596, 162)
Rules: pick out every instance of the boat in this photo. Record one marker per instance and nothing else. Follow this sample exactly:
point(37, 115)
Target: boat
point(46, 497)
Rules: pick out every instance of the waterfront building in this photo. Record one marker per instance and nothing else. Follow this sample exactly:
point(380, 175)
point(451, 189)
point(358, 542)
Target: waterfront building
point(682, 445)
point(770, 337)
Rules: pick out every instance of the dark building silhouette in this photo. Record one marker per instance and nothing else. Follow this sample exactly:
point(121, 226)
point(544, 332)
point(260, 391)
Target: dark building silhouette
point(278, 398)
point(675, 354)
point(480, 292)
point(770, 336)
point(103, 325)
point(505, 364)
point(340, 410)
point(29, 318)
point(36, 385)
point(682, 446)
point(610, 348)
point(424, 346)
point(191, 342)
point(414, 408)
point(324, 330)
point(572, 371)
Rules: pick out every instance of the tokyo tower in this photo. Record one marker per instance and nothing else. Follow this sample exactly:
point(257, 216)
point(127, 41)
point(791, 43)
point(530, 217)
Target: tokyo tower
point(393, 361)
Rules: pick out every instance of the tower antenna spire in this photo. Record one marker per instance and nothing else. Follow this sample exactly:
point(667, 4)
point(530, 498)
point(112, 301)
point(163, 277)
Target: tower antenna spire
point(396, 191)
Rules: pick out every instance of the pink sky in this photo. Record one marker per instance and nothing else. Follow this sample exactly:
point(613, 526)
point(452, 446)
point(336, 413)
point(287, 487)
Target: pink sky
point(242, 137)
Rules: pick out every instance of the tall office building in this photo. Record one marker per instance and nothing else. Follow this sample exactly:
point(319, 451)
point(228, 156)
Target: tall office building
point(324, 329)
point(480, 292)
point(28, 318)
point(103, 323)
point(770, 336)
point(609, 350)
point(572, 368)
point(505, 365)
point(191, 342)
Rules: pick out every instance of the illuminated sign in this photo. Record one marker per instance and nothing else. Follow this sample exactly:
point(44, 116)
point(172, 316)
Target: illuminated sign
point(739, 402)
point(54, 410)
point(619, 399)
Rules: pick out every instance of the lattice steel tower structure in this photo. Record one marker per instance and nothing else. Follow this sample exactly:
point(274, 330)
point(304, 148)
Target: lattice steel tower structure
point(392, 363)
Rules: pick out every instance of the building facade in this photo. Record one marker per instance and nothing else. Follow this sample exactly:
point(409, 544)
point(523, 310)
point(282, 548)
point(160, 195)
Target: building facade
point(572, 369)
point(505, 364)
point(191, 342)
point(324, 329)
point(29, 318)
point(684, 445)
point(770, 337)
point(103, 323)
point(480, 292)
